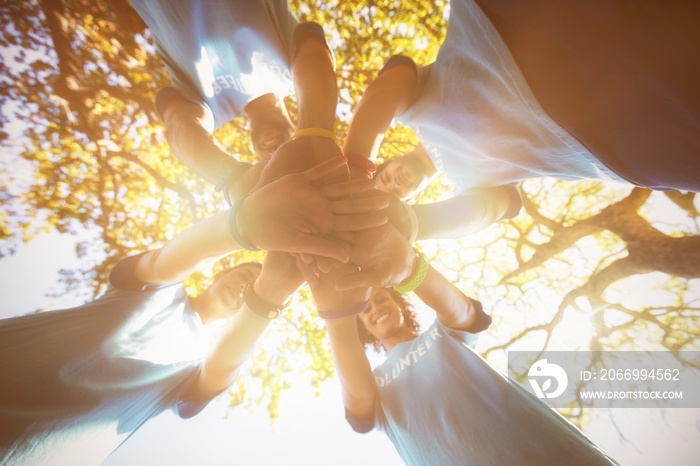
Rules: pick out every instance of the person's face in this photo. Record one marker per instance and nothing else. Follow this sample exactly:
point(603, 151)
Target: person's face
point(228, 288)
point(401, 176)
point(269, 134)
point(383, 317)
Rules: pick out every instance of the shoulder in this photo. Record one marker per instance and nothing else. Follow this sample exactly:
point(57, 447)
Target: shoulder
point(397, 61)
point(123, 276)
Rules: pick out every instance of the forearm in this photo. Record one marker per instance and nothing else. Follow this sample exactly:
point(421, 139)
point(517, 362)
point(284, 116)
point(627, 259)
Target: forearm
point(467, 213)
point(313, 70)
point(231, 350)
point(453, 308)
point(354, 371)
point(198, 149)
point(193, 249)
point(389, 95)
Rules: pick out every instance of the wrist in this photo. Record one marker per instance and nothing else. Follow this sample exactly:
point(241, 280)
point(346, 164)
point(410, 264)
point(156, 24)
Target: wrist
point(361, 164)
point(271, 292)
point(230, 178)
point(237, 228)
point(261, 306)
point(419, 270)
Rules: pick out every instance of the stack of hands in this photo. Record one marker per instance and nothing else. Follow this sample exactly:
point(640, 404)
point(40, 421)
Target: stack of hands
point(322, 226)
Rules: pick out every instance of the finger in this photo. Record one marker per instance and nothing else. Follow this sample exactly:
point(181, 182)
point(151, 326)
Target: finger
point(358, 206)
point(307, 273)
point(324, 264)
point(307, 258)
point(322, 246)
point(324, 168)
point(347, 188)
point(358, 222)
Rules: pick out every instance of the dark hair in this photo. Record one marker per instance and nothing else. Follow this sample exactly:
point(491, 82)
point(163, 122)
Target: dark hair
point(409, 317)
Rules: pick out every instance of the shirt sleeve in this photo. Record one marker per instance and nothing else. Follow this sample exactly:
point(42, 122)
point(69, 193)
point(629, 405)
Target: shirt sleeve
point(311, 30)
point(167, 94)
point(123, 276)
point(194, 403)
point(422, 72)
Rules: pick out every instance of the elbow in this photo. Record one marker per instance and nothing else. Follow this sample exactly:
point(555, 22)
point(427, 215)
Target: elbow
point(512, 202)
point(480, 321)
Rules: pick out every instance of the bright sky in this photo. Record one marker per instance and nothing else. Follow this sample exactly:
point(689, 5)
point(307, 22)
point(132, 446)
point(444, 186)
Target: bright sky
point(310, 431)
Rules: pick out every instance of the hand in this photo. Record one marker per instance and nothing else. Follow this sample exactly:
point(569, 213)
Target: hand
point(292, 215)
point(398, 217)
point(384, 256)
point(323, 288)
point(302, 154)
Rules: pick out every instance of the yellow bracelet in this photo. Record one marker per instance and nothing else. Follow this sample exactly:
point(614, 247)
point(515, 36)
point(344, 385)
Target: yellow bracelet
point(416, 280)
point(314, 132)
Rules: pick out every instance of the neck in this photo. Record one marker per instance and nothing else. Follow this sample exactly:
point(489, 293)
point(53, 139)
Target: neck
point(401, 336)
point(202, 305)
point(428, 165)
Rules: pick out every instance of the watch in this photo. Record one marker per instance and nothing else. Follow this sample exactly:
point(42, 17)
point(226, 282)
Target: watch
point(262, 308)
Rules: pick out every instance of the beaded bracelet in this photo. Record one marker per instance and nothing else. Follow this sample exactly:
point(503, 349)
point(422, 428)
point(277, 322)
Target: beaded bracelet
point(416, 280)
point(262, 308)
point(345, 312)
point(233, 227)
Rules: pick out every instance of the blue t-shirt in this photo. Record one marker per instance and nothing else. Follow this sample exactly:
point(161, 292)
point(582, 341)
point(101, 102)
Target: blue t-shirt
point(76, 383)
point(223, 53)
point(442, 404)
point(478, 119)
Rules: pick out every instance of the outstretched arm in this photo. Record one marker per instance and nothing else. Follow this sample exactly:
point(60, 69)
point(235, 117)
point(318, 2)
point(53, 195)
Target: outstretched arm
point(313, 70)
point(289, 214)
point(277, 282)
point(467, 213)
point(453, 308)
point(354, 372)
point(188, 129)
point(389, 95)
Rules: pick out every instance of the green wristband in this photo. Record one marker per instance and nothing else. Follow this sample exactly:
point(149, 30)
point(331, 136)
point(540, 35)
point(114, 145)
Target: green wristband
point(416, 280)
point(233, 227)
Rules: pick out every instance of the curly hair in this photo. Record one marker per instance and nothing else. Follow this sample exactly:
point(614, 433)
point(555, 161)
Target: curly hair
point(409, 316)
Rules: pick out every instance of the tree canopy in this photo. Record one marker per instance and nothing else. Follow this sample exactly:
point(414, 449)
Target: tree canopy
point(77, 82)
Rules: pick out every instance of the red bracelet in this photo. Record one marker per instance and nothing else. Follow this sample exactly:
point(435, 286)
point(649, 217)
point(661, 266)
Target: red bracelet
point(363, 163)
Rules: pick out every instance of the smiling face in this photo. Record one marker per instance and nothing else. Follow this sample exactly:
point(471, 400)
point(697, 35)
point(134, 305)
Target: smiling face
point(268, 135)
point(270, 125)
point(383, 317)
point(403, 176)
point(226, 292)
